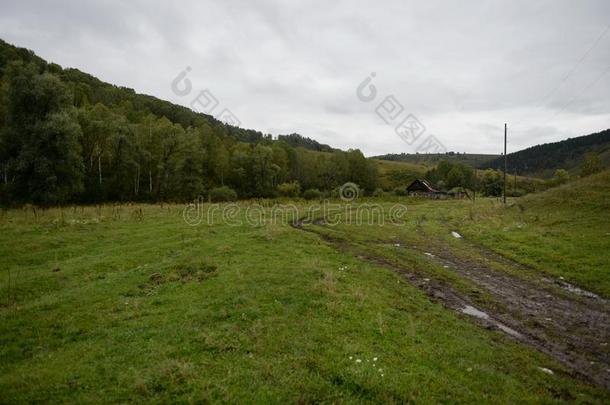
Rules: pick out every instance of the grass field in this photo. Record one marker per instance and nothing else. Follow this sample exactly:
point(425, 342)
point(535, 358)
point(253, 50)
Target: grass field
point(394, 174)
point(432, 159)
point(564, 232)
point(114, 304)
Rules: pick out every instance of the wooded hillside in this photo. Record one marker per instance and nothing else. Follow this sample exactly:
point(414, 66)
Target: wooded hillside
point(66, 136)
point(543, 160)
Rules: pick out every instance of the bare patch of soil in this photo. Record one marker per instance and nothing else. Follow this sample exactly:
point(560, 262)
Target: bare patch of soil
point(568, 323)
point(572, 326)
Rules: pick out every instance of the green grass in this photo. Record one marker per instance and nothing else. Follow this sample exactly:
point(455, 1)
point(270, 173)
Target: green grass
point(564, 232)
point(432, 159)
point(393, 174)
point(105, 307)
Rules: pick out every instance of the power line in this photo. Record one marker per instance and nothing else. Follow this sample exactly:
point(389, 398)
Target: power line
point(567, 76)
point(582, 58)
point(593, 83)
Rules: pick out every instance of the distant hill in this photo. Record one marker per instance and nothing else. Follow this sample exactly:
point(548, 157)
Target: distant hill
point(432, 159)
point(543, 160)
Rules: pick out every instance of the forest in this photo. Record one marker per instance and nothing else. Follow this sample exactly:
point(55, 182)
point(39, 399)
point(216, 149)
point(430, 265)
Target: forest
point(570, 154)
point(67, 137)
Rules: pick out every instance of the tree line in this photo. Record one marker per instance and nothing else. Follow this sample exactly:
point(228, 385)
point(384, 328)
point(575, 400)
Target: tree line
point(570, 154)
point(67, 137)
point(454, 176)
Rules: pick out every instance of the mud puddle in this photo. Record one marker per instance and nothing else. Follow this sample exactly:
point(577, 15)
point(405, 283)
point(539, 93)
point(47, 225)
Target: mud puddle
point(570, 324)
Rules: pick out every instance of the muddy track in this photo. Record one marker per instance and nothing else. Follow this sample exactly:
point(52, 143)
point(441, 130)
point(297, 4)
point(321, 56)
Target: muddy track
point(567, 323)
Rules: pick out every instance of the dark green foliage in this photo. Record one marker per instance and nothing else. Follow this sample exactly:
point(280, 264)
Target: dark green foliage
point(591, 165)
point(188, 178)
point(291, 189)
point(545, 159)
point(312, 194)
point(223, 194)
point(66, 136)
point(296, 140)
point(561, 176)
point(41, 154)
point(400, 191)
point(254, 171)
point(361, 171)
point(448, 175)
point(378, 193)
point(491, 183)
point(519, 192)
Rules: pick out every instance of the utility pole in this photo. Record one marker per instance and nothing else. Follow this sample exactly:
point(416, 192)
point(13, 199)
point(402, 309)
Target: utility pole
point(505, 163)
point(474, 187)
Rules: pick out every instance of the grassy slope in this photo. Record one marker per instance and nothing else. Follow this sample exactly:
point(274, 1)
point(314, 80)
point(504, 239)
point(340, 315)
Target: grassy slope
point(564, 231)
point(389, 165)
point(397, 174)
point(432, 159)
point(394, 174)
point(283, 318)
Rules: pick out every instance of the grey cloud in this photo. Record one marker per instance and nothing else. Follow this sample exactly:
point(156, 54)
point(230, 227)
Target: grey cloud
point(463, 68)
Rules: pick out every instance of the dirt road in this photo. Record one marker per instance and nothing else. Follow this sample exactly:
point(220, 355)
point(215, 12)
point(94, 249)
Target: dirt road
point(569, 324)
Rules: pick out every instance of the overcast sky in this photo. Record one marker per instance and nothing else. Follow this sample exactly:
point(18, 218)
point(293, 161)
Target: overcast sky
point(462, 68)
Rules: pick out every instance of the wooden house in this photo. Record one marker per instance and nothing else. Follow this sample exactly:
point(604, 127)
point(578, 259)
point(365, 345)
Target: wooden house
point(421, 187)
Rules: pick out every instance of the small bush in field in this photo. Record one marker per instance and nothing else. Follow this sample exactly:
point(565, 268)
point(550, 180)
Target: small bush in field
point(379, 193)
point(292, 189)
point(399, 191)
point(224, 193)
point(516, 193)
point(312, 194)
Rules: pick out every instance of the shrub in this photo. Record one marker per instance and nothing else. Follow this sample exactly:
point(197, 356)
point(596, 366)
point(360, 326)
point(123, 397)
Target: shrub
point(491, 183)
point(515, 193)
point(347, 191)
point(400, 191)
point(312, 194)
point(292, 189)
point(224, 193)
point(379, 193)
point(560, 177)
point(591, 165)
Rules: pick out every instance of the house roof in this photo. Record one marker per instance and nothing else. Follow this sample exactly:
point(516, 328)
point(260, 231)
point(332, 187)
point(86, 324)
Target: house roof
point(421, 185)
